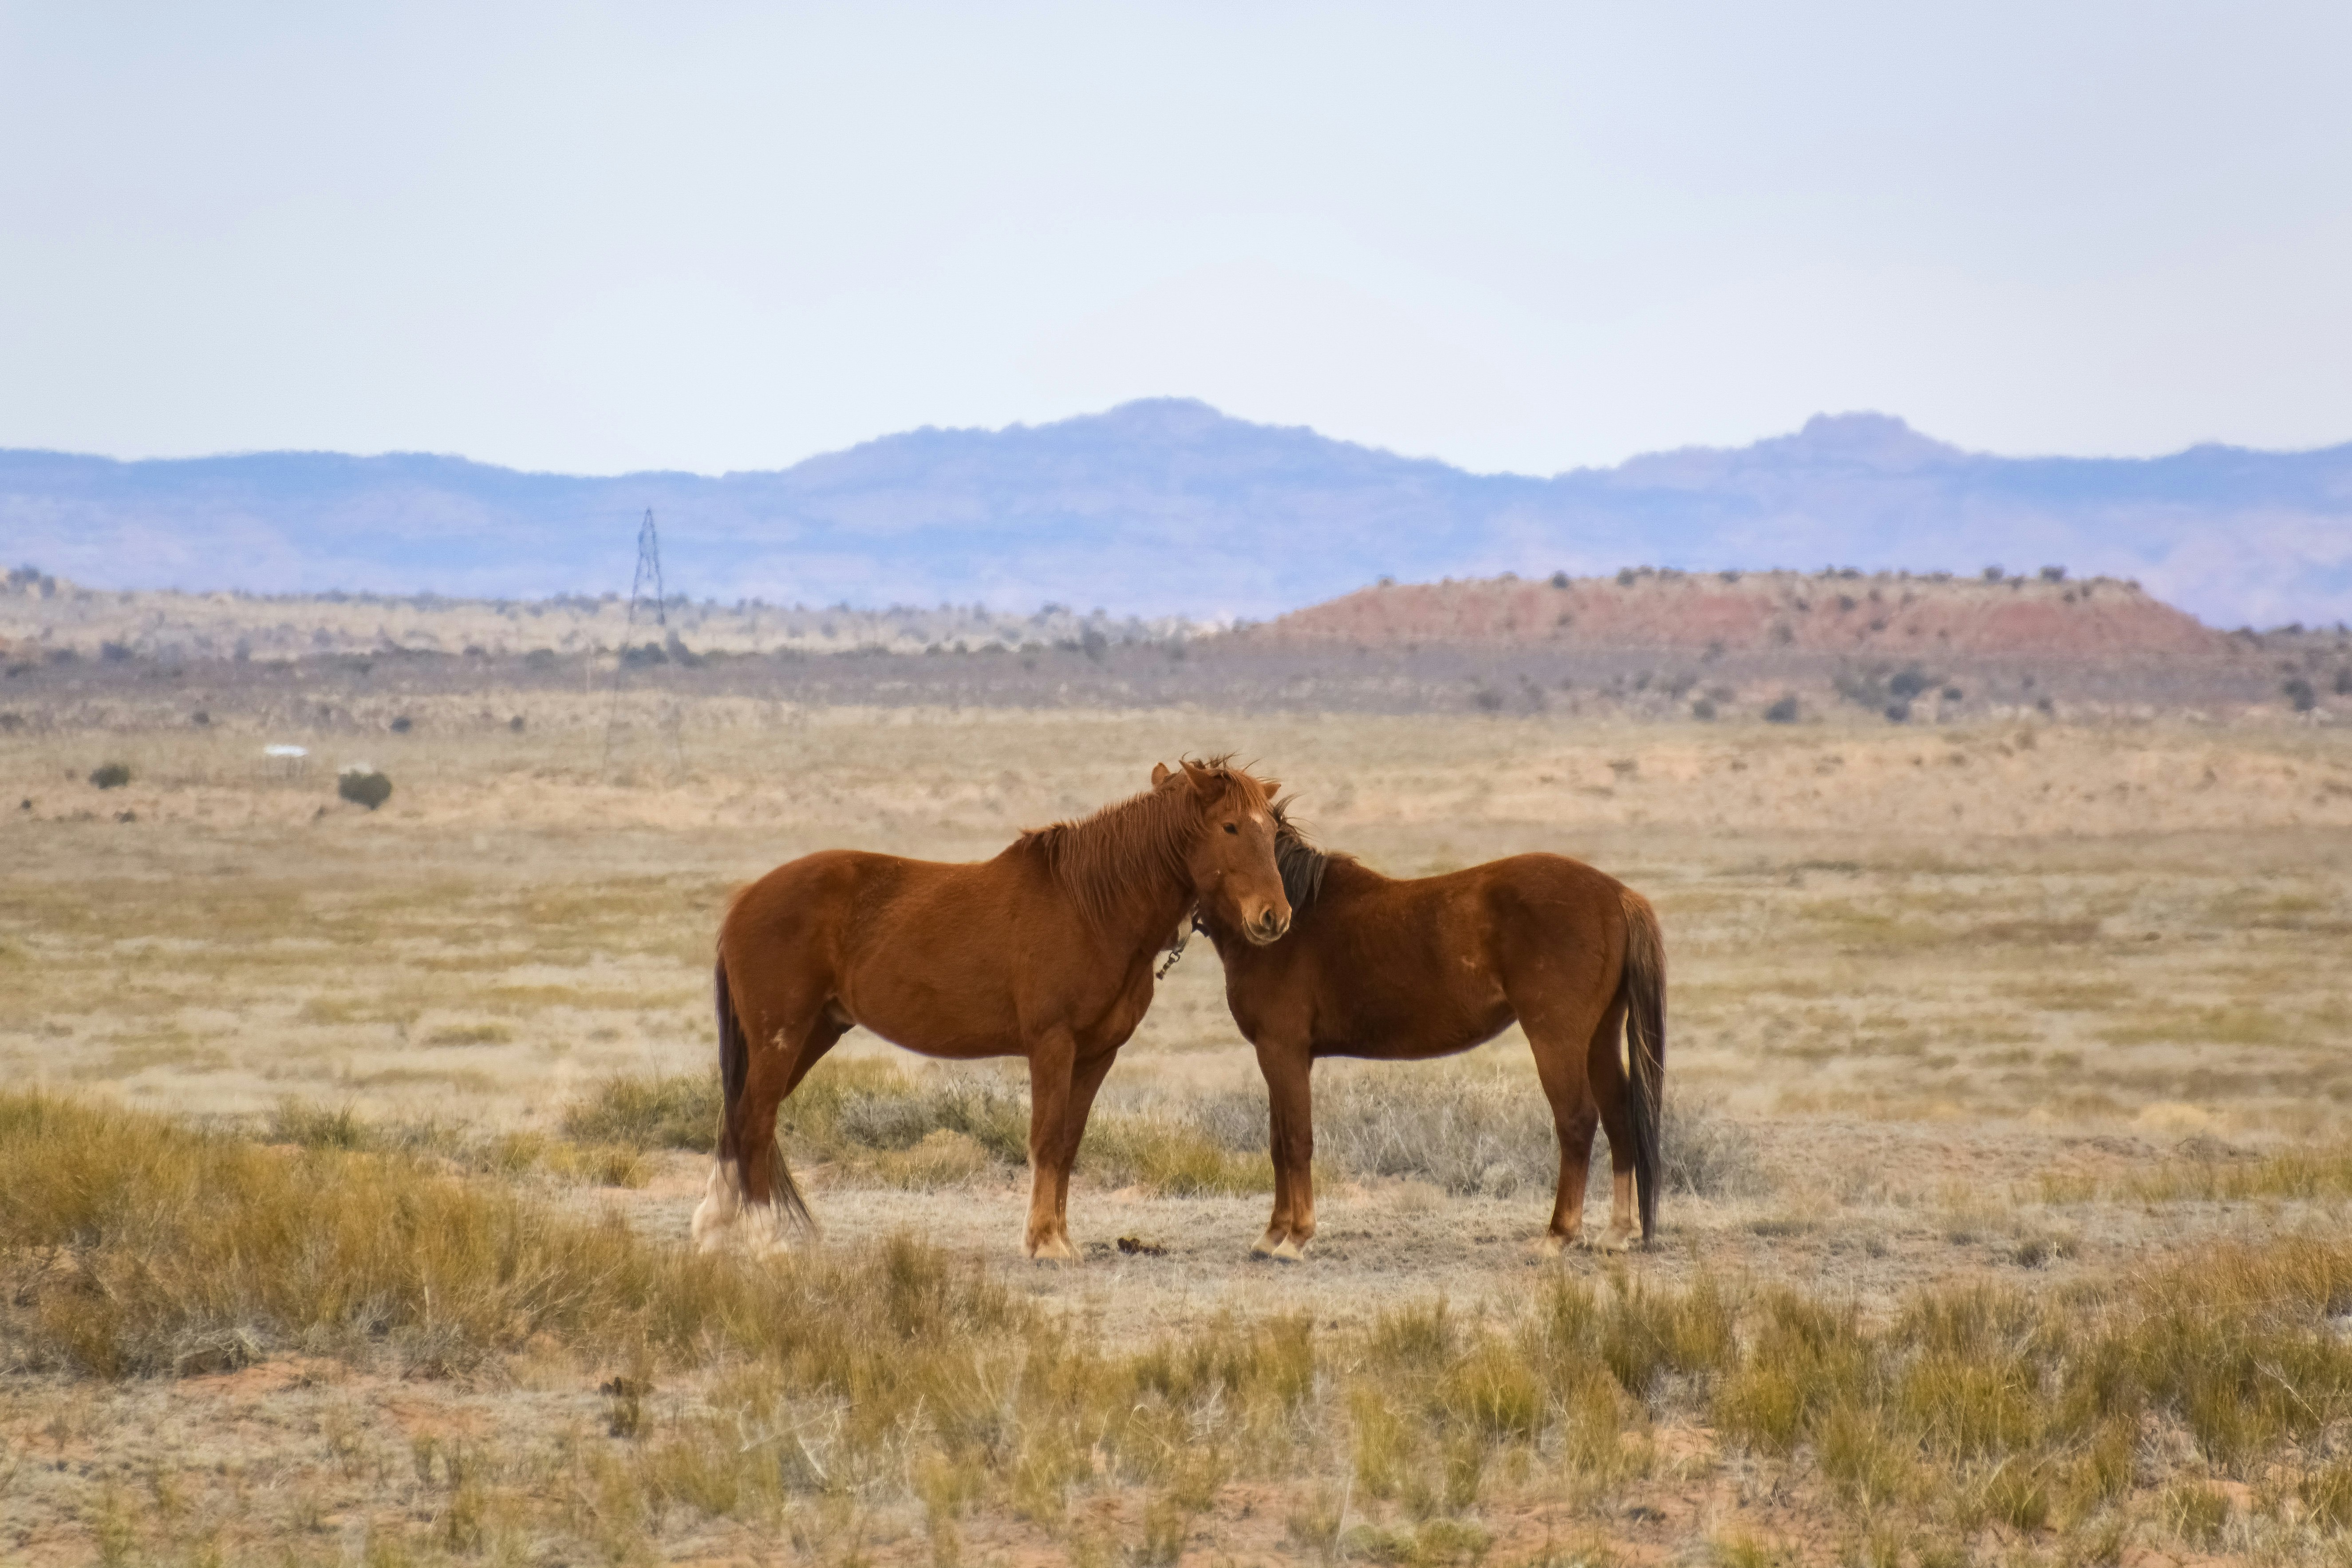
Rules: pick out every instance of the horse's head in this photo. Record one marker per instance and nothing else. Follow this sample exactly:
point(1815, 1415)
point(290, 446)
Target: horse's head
point(1230, 860)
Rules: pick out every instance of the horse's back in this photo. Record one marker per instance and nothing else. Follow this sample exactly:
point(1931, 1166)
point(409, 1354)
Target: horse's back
point(861, 896)
point(1442, 914)
point(1541, 867)
point(926, 953)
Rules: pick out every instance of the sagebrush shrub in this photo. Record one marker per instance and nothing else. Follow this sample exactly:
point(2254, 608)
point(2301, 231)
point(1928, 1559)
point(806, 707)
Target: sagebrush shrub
point(366, 787)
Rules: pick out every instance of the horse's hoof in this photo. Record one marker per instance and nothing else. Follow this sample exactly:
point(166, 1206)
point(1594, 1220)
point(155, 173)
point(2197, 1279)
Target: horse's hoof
point(755, 1237)
point(1550, 1244)
point(1269, 1245)
point(1289, 1250)
point(1052, 1249)
point(716, 1215)
point(1615, 1240)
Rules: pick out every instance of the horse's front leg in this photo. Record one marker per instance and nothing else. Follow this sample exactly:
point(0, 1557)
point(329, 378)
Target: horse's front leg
point(1291, 1143)
point(1053, 1059)
point(1085, 1080)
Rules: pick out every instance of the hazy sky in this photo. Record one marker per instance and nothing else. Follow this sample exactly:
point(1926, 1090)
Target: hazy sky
point(709, 237)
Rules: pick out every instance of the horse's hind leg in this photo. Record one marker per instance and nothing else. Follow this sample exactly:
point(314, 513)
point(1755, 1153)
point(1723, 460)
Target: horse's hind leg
point(1560, 1064)
point(1605, 1071)
point(765, 1177)
point(781, 1040)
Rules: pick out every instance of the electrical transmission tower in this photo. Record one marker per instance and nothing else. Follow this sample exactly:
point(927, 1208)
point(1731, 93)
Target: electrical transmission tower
point(648, 571)
point(649, 574)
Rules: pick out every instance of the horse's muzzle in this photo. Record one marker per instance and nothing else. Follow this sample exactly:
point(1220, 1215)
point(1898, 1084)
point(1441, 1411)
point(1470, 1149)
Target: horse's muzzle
point(1268, 927)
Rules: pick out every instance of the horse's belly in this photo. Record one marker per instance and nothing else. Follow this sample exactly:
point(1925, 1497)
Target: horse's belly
point(936, 1019)
point(1412, 1036)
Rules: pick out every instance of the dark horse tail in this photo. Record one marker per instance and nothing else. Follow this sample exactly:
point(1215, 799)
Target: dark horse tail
point(734, 1069)
point(1642, 985)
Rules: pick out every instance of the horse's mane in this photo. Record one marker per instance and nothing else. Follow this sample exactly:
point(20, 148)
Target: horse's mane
point(1099, 857)
point(1294, 855)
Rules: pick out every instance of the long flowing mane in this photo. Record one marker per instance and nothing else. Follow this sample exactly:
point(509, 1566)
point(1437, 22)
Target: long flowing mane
point(1302, 865)
point(1100, 858)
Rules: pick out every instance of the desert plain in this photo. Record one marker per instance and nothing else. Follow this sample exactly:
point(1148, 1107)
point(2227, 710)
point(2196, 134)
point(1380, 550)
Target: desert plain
point(347, 1154)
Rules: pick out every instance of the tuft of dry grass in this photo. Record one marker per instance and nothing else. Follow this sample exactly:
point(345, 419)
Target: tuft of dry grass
point(1167, 1153)
point(1464, 1133)
point(2321, 1173)
point(649, 1111)
point(923, 1129)
point(1476, 1132)
point(312, 1126)
point(171, 1249)
point(1705, 1153)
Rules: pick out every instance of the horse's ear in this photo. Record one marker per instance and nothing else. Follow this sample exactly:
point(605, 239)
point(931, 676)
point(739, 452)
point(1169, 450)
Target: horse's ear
point(1273, 787)
point(1160, 775)
point(1205, 782)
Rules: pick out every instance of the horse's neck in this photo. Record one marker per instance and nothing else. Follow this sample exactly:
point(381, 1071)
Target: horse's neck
point(1168, 911)
point(1344, 875)
point(1157, 897)
point(1136, 893)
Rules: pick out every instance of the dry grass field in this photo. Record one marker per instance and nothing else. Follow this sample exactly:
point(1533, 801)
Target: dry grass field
point(346, 1157)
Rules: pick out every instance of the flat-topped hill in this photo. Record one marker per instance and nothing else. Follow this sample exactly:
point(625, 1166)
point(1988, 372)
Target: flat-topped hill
point(1886, 613)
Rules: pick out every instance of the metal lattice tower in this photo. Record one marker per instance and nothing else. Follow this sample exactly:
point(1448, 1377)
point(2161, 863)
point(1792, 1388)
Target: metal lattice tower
point(649, 571)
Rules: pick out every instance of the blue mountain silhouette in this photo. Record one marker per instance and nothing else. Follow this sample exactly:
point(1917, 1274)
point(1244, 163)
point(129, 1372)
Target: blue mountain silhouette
point(1168, 506)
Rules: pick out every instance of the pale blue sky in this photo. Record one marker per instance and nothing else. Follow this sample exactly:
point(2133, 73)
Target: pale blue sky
point(712, 236)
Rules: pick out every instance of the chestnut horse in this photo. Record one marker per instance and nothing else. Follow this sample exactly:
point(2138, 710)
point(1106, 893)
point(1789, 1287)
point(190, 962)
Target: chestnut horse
point(1045, 951)
point(1408, 970)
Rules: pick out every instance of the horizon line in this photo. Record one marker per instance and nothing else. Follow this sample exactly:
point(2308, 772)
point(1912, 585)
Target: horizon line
point(1812, 423)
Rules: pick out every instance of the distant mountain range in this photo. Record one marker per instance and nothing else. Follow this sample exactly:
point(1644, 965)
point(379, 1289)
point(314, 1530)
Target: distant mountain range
point(1170, 507)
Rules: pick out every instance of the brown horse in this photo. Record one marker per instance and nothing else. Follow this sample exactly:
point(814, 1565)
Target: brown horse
point(1045, 951)
point(1408, 970)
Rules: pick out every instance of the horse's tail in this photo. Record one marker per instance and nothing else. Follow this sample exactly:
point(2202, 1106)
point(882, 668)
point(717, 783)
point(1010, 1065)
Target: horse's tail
point(734, 1069)
point(1642, 985)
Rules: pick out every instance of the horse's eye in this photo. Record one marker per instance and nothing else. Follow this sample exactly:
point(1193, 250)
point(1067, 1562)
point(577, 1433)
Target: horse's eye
point(1231, 828)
